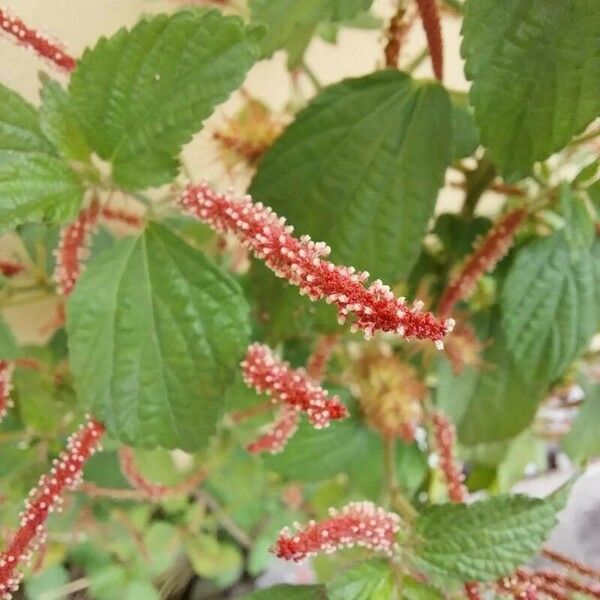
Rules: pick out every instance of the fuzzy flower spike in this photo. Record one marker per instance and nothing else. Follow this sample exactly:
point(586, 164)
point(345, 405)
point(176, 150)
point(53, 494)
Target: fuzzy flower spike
point(43, 500)
point(303, 263)
point(290, 387)
point(358, 523)
point(39, 43)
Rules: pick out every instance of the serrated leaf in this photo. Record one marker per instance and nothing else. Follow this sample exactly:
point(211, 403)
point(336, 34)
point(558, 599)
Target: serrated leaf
point(583, 441)
point(493, 402)
point(19, 127)
point(360, 168)
point(141, 94)
point(465, 134)
point(412, 589)
point(535, 68)
point(60, 122)
point(155, 332)
point(289, 592)
point(9, 348)
point(484, 540)
point(37, 187)
point(369, 580)
point(548, 304)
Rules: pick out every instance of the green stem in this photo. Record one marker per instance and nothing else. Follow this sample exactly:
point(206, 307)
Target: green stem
point(312, 76)
point(586, 137)
point(477, 182)
point(393, 494)
point(417, 60)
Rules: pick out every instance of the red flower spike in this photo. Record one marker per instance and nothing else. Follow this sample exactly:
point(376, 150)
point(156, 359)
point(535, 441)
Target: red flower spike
point(302, 262)
point(266, 373)
point(6, 369)
point(34, 40)
point(433, 32)
point(278, 434)
point(9, 268)
point(486, 255)
point(358, 523)
point(318, 360)
point(445, 440)
point(119, 215)
point(73, 248)
point(43, 500)
point(570, 563)
point(472, 590)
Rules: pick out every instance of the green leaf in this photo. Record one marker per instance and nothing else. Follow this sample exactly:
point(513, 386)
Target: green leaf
point(369, 580)
point(465, 134)
point(9, 348)
point(493, 402)
point(548, 304)
point(535, 67)
point(360, 168)
point(19, 127)
point(484, 540)
point(290, 592)
point(583, 441)
point(218, 561)
point(291, 24)
point(141, 94)
point(413, 589)
point(35, 187)
point(155, 333)
point(60, 122)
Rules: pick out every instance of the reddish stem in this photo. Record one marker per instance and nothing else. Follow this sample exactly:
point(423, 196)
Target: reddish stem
point(9, 268)
point(570, 563)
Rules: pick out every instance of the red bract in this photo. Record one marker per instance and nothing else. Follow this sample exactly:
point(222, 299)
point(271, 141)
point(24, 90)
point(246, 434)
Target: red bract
point(486, 255)
point(6, 369)
point(358, 523)
point(278, 434)
point(32, 39)
point(431, 24)
point(9, 268)
point(43, 500)
point(266, 373)
point(73, 248)
point(302, 262)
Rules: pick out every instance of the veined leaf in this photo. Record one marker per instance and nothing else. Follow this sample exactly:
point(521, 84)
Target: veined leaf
point(141, 94)
point(549, 305)
point(19, 125)
point(535, 68)
point(155, 332)
point(60, 122)
point(37, 187)
point(360, 168)
point(368, 580)
point(484, 540)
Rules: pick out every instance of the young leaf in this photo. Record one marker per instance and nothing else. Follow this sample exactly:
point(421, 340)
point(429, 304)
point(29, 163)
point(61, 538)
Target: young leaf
point(549, 306)
point(484, 540)
point(155, 331)
point(535, 68)
point(491, 402)
point(36, 187)
point(360, 168)
point(19, 127)
point(369, 580)
point(9, 348)
point(60, 122)
point(289, 592)
point(583, 441)
point(141, 94)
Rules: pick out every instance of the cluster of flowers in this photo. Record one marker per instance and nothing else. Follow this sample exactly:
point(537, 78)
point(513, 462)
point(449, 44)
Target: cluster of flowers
point(358, 523)
point(293, 390)
point(303, 263)
point(43, 500)
point(39, 43)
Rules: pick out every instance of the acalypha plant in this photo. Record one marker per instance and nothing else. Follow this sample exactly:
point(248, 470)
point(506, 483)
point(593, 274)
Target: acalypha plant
point(325, 368)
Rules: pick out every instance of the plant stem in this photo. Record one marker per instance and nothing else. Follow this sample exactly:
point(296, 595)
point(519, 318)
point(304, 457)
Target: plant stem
point(312, 76)
point(394, 495)
point(586, 137)
point(417, 60)
point(477, 182)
